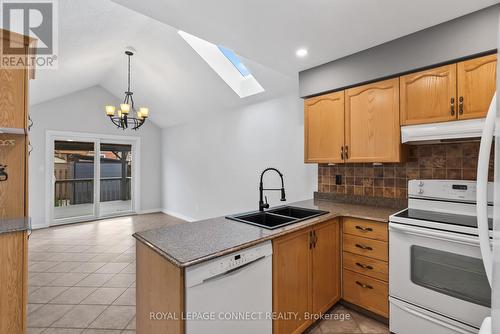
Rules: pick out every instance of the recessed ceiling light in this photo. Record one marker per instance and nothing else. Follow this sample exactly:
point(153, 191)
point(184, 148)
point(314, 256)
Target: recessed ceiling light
point(301, 53)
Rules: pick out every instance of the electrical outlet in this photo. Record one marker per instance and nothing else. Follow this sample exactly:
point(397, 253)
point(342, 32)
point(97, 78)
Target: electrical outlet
point(338, 179)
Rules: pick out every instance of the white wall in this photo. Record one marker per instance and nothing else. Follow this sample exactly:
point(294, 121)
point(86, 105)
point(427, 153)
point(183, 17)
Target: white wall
point(83, 111)
point(211, 167)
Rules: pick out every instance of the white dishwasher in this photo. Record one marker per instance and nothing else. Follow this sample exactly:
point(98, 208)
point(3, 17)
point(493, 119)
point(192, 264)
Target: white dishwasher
point(231, 294)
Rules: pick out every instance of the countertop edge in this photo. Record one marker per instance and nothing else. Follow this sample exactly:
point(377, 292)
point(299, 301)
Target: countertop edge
point(304, 224)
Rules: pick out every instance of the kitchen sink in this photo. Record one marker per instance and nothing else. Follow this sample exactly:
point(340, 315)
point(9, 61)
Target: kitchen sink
point(277, 217)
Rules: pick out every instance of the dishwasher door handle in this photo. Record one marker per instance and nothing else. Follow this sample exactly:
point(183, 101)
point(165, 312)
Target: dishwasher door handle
point(233, 271)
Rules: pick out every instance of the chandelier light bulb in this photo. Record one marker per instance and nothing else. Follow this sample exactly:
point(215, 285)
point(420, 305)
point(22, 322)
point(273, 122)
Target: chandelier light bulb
point(144, 112)
point(125, 108)
point(110, 110)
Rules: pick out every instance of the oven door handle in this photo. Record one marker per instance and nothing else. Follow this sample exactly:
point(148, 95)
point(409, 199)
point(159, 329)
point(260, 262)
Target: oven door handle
point(434, 234)
point(482, 187)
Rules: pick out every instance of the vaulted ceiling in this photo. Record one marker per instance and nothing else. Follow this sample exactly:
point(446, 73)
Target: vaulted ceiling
point(177, 85)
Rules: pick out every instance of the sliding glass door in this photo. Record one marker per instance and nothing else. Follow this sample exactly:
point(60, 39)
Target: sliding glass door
point(116, 178)
point(74, 174)
point(91, 178)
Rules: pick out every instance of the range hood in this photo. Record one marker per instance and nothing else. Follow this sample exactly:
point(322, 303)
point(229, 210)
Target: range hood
point(442, 132)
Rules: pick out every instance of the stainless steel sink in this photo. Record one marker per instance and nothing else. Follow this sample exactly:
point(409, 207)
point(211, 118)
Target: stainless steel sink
point(277, 217)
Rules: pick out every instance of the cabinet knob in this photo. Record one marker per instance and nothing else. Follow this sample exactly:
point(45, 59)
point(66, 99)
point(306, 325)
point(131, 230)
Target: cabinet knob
point(365, 286)
point(364, 247)
point(365, 229)
point(3, 173)
point(364, 266)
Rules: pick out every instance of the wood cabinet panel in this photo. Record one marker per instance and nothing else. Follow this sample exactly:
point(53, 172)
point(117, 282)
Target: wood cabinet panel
point(366, 266)
point(366, 292)
point(292, 280)
point(476, 86)
point(372, 122)
point(326, 266)
point(367, 247)
point(324, 128)
point(366, 228)
point(12, 189)
point(160, 288)
point(13, 98)
point(429, 96)
point(13, 278)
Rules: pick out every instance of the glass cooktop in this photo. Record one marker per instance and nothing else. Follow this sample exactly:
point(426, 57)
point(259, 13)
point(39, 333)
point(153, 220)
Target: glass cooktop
point(442, 217)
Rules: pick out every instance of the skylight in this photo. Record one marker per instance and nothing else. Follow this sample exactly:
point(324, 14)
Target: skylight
point(226, 64)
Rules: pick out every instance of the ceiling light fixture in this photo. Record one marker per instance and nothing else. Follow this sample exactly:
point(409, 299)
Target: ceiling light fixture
point(301, 53)
point(127, 116)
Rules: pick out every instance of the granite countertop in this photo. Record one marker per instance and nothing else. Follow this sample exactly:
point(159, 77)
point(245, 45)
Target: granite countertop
point(15, 225)
point(195, 242)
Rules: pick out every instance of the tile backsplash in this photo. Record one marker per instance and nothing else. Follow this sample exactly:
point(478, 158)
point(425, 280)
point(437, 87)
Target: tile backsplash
point(454, 161)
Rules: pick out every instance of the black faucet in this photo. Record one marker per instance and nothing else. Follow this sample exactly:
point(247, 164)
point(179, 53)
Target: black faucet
point(265, 205)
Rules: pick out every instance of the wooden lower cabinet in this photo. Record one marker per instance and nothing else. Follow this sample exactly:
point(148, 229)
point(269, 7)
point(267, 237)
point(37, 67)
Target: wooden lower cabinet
point(325, 267)
point(306, 275)
point(13, 282)
point(365, 274)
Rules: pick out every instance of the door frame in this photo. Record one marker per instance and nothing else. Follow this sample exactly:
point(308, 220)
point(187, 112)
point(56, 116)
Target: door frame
point(51, 136)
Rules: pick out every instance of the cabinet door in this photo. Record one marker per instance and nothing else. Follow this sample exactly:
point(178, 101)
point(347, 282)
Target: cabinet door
point(429, 96)
point(13, 278)
point(12, 98)
point(12, 179)
point(476, 86)
point(326, 267)
point(324, 128)
point(291, 281)
point(372, 122)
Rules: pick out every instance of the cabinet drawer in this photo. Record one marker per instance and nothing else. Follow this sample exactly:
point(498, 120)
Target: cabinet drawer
point(367, 247)
point(366, 266)
point(366, 228)
point(366, 292)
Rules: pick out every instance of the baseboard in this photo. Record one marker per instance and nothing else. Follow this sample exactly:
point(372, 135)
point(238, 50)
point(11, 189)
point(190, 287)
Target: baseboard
point(178, 215)
point(143, 212)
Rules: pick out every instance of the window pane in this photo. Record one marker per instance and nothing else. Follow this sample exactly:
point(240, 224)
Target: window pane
point(73, 179)
point(452, 274)
point(116, 174)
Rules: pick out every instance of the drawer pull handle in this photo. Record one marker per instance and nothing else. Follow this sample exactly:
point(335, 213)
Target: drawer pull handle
point(364, 286)
point(452, 106)
point(364, 266)
point(364, 247)
point(366, 229)
point(3, 173)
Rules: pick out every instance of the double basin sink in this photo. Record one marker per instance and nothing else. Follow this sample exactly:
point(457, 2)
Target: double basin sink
point(278, 217)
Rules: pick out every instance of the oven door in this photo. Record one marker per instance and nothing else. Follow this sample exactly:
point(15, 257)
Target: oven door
point(439, 271)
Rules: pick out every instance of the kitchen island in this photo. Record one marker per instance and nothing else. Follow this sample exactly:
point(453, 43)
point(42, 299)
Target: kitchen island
point(164, 254)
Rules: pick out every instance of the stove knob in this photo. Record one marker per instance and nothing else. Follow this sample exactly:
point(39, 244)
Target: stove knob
point(421, 191)
point(421, 184)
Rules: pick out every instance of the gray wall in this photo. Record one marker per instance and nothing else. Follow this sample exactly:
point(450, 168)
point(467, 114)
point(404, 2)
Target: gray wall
point(462, 37)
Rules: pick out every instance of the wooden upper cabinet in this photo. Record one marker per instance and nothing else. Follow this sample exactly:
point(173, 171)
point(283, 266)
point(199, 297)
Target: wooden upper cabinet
point(326, 266)
point(372, 122)
point(291, 280)
point(476, 86)
point(324, 128)
point(429, 96)
point(13, 98)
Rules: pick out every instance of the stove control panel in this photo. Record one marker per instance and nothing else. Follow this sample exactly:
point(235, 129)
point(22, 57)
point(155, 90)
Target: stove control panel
point(451, 190)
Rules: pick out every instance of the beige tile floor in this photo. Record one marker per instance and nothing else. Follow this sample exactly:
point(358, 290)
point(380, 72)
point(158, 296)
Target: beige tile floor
point(82, 280)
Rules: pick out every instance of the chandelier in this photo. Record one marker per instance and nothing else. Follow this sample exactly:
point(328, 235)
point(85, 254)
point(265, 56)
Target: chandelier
point(127, 116)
